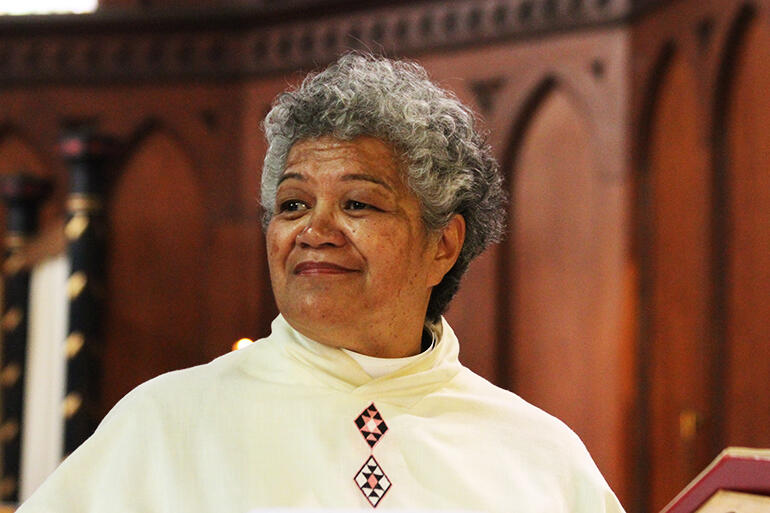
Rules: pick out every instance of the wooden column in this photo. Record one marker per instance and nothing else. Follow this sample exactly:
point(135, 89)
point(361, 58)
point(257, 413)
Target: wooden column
point(22, 194)
point(86, 154)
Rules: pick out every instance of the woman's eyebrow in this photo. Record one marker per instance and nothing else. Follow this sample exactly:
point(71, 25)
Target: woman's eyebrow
point(367, 178)
point(346, 178)
point(296, 176)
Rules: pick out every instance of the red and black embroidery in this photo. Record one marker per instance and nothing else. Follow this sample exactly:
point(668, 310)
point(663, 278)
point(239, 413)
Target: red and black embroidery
point(370, 478)
point(371, 425)
point(372, 481)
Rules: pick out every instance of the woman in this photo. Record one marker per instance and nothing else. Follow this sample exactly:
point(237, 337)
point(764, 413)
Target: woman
point(378, 193)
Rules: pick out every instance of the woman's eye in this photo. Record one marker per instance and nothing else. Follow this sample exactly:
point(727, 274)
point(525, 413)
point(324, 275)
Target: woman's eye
point(356, 205)
point(292, 206)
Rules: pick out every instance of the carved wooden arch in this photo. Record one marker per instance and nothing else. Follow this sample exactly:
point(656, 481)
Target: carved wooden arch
point(156, 259)
point(527, 108)
point(736, 35)
point(721, 211)
point(143, 132)
point(740, 258)
point(640, 248)
point(649, 102)
point(521, 122)
point(558, 273)
point(523, 118)
point(672, 251)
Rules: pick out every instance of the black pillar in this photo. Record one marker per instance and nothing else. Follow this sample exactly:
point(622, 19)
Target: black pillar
point(22, 194)
point(87, 155)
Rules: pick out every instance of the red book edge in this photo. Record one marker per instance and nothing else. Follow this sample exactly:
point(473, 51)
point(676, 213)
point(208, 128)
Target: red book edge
point(739, 469)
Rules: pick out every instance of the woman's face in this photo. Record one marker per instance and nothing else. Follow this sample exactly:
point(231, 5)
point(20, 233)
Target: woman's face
point(351, 263)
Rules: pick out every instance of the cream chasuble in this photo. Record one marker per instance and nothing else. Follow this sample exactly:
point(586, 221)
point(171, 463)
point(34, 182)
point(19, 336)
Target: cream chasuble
point(290, 422)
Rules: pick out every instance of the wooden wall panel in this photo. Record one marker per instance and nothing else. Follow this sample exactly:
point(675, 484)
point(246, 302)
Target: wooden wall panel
point(503, 82)
point(155, 268)
point(748, 298)
point(679, 263)
point(564, 356)
point(498, 81)
point(239, 300)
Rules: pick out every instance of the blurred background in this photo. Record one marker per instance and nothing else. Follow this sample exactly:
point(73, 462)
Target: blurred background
point(631, 297)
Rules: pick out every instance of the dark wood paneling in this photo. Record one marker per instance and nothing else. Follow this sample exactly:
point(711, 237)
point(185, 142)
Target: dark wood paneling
point(155, 268)
point(748, 296)
point(679, 259)
point(565, 345)
point(239, 300)
point(694, 291)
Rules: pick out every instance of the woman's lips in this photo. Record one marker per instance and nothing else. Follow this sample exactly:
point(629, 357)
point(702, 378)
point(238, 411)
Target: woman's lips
point(308, 268)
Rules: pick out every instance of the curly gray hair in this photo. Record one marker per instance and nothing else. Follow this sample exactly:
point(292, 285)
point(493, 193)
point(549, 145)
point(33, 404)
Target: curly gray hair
point(449, 165)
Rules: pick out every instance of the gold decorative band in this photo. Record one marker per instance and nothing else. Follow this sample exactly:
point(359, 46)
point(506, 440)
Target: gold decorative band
point(83, 203)
point(10, 374)
point(9, 430)
point(76, 226)
point(71, 404)
point(12, 318)
point(75, 284)
point(73, 344)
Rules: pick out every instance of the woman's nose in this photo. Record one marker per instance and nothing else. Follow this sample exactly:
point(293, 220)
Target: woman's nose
point(322, 229)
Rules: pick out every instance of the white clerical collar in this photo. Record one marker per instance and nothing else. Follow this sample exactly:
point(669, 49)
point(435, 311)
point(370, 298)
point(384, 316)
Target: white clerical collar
point(378, 367)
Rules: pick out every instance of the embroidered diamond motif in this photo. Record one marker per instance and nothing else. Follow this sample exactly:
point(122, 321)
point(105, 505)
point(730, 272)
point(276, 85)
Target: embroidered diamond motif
point(371, 425)
point(372, 481)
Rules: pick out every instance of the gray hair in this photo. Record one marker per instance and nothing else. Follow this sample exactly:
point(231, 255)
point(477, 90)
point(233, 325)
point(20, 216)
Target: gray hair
point(449, 165)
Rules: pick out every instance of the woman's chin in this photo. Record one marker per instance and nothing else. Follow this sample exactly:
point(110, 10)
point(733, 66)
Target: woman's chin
point(324, 318)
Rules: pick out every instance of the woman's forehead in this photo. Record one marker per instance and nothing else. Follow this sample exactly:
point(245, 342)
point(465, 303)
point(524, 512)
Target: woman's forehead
point(364, 155)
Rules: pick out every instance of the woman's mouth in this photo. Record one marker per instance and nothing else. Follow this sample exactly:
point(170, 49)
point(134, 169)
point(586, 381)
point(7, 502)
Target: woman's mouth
point(311, 268)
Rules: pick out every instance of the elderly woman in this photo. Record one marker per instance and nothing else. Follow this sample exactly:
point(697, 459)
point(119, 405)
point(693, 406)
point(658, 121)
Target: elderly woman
point(378, 193)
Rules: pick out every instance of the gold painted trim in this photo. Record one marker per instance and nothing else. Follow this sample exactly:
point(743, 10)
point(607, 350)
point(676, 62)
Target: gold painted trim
point(73, 344)
point(76, 226)
point(12, 318)
point(75, 284)
point(10, 374)
point(71, 404)
point(9, 430)
point(79, 203)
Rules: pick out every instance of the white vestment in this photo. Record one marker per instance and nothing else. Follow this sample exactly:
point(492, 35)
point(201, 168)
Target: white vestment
point(290, 422)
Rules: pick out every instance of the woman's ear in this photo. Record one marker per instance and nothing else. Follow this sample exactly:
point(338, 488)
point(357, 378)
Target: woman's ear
point(448, 247)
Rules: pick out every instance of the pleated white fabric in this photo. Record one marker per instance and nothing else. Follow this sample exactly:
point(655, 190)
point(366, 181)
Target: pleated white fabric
point(273, 425)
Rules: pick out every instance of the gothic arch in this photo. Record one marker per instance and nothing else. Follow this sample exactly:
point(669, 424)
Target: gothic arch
point(522, 120)
point(145, 130)
point(156, 262)
point(523, 115)
point(674, 249)
point(742, 157)
point(559, 270)
point(721, 212)
point(650, 103)
point(641, 250)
